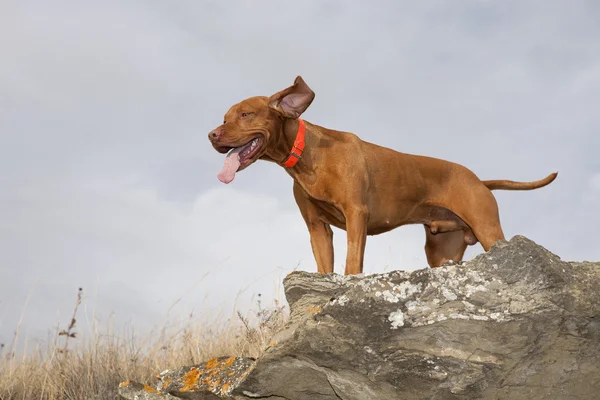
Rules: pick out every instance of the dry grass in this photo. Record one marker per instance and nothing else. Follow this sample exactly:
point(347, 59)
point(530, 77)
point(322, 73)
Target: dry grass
point(76, 368)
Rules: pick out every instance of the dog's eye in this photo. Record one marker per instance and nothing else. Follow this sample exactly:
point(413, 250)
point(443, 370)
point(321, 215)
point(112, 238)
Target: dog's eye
point(244, 115)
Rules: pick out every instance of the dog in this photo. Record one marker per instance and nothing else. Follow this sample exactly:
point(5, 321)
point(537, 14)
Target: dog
point(360, 187)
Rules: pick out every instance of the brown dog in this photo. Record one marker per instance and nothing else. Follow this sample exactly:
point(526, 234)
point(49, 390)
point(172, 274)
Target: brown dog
point(360, 187)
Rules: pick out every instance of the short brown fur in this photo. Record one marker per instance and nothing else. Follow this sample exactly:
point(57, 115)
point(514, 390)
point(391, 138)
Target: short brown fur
point(364, 188)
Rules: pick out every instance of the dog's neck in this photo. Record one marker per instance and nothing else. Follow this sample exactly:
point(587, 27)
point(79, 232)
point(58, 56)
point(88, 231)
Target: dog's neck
point(283, 143)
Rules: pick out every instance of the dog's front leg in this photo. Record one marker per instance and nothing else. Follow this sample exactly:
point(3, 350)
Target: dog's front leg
point(321, 240)
point(321, 235)
point(356, 229)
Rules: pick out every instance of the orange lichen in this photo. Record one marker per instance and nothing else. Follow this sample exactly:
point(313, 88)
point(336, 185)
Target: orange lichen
point(315, 309)
point(247, 371)
point(190, 380)
point(225, 388)
point(211, 363)
point(166, 383)
point(206, 379)
point(150, 389)
point(229, 362)
point(214, 384)
point(125, 384)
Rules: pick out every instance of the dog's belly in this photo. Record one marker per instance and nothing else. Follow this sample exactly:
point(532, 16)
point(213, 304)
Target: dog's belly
point(438, 218)
point(375, 226)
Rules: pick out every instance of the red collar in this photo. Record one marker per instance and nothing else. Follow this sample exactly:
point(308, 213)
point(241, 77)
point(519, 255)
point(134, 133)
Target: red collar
point(296, 152)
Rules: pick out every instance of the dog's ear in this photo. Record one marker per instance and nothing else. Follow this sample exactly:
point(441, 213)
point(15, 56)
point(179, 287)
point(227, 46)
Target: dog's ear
point(293, 101)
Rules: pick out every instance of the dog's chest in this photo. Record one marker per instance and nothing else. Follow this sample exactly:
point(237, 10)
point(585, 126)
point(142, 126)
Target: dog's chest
point(330, 213)
point(315, 188)
point(325, 201)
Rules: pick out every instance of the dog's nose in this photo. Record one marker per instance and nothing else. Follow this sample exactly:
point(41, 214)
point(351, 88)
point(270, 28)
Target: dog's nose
point(214, 135)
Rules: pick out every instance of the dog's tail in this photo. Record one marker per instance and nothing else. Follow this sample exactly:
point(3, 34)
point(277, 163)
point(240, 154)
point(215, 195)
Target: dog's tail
point(512, 185)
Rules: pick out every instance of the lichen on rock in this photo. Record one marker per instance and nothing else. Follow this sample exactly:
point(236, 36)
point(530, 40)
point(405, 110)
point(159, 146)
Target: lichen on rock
point(514, 323)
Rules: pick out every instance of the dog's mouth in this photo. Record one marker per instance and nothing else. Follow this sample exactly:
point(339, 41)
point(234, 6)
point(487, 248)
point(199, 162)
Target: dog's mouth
point(239, 158)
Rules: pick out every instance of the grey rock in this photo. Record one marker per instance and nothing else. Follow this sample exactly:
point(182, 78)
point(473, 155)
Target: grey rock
point(212, 379)
point(514, 323)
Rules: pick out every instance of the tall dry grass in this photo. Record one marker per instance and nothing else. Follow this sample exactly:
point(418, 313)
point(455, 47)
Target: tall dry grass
point(69, 367)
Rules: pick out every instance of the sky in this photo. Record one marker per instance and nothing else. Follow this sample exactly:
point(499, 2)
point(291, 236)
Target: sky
point(108, 180)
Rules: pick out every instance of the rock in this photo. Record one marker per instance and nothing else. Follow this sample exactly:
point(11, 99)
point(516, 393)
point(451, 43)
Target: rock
point(214, 379)
point(137, 391)
point(515, 323)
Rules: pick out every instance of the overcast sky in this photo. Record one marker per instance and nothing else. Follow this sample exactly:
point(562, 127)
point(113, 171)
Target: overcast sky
point(108, 181)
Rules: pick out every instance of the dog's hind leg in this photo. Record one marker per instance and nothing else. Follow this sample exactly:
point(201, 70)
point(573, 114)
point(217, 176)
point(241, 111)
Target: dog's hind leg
point(445, 246)
point(482, 216)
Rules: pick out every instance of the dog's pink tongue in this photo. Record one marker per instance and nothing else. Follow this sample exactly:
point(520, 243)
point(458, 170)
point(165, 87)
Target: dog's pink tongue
point(231, 165)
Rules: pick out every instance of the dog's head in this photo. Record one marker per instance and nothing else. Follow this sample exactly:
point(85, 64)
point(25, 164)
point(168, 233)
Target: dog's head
point(250, 126)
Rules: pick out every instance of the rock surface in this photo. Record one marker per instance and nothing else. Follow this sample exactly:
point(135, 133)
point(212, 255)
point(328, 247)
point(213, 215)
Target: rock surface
point(514, 323)
point(213, 379)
